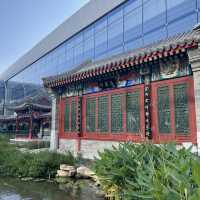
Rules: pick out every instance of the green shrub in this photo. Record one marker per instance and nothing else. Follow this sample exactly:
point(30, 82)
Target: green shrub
point(37, 165)
point(34, 144)
point(45, 164)
point(148, 171)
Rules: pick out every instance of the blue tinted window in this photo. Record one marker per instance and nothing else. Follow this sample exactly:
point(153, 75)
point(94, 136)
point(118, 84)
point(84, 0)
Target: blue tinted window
point(89, 48)
point(155, 36)
point(70, 43)
point(89, 32)
point(116, 51)
point(179, 8)
point(101, 42)
point(173, 4)
point(78, 39)
point(101, 56)
point(198, 4)
point(133, 44)
point(115, 34)
point(132, 5)
point(101, 24)
point(115, 15)
point(154, 14)
point(63, 67)
point(70, 56)
point(89, 44)
point(133, 24)
point(199, 17)
point(78, 54)
point(182, 25)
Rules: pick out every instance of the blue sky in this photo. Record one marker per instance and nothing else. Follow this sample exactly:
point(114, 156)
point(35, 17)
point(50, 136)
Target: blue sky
point(23, 23)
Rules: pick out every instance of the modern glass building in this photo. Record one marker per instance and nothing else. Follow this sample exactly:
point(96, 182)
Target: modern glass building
point(98, 30)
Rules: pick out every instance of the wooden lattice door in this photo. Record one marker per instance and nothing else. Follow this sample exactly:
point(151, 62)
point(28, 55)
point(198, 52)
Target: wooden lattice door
point(116, 114)
point(173, 110)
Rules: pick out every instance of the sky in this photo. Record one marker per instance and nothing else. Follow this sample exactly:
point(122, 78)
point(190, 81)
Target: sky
point(23, 23)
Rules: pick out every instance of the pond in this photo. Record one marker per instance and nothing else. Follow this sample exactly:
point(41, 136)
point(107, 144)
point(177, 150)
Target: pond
point(13, 189)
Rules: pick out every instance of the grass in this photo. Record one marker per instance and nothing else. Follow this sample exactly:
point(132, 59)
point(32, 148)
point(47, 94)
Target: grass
point(33, 144)
point(37, 165)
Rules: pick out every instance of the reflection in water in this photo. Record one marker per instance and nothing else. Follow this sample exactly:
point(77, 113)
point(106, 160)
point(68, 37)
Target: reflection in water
point(12, 189)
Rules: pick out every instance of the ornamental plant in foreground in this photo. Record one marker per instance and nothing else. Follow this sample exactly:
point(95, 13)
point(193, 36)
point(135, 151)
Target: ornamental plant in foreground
point(147, 171)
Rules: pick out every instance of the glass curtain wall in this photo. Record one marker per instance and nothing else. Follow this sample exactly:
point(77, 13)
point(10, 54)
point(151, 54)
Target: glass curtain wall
point(131, 25)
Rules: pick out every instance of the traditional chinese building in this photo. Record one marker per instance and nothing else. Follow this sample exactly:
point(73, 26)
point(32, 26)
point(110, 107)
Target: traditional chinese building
point(151, 93)
point(31, 119)
point(8, 125)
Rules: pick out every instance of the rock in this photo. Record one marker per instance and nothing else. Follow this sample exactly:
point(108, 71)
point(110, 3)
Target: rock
point(65, 167)
point(97, 184)
point(94, 178)
point(27, 179)
point(84, 172)
point(100, 194)
point(72, 173)
point(39, 180)
point(71, 170)
point(61, 173)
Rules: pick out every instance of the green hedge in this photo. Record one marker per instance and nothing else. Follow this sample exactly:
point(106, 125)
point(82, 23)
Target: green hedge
point(148, 171)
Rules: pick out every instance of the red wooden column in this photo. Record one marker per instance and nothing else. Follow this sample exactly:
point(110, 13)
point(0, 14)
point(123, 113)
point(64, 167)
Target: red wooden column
point(79, 124)
point(30, 127)
point(17, 126)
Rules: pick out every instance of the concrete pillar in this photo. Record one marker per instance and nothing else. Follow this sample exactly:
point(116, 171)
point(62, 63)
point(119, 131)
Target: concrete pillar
point(41, 129)
point(54, 130)
point(194, 60)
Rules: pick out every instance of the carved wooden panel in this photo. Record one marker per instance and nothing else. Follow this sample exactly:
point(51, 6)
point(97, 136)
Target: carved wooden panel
point(181, 109)
point(66, 117)
point(73, 115)
point(91, 114)
point(116, 113)
point(163, 107)
point(133, 112)
point(103, 113)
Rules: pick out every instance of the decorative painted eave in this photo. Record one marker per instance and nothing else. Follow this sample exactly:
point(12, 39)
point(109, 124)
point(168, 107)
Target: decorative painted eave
point(24, 106)
point(45, 115)
point(162, 49)
point(8, 118)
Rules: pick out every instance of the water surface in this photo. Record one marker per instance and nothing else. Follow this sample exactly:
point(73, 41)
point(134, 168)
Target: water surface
point(12, 189)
